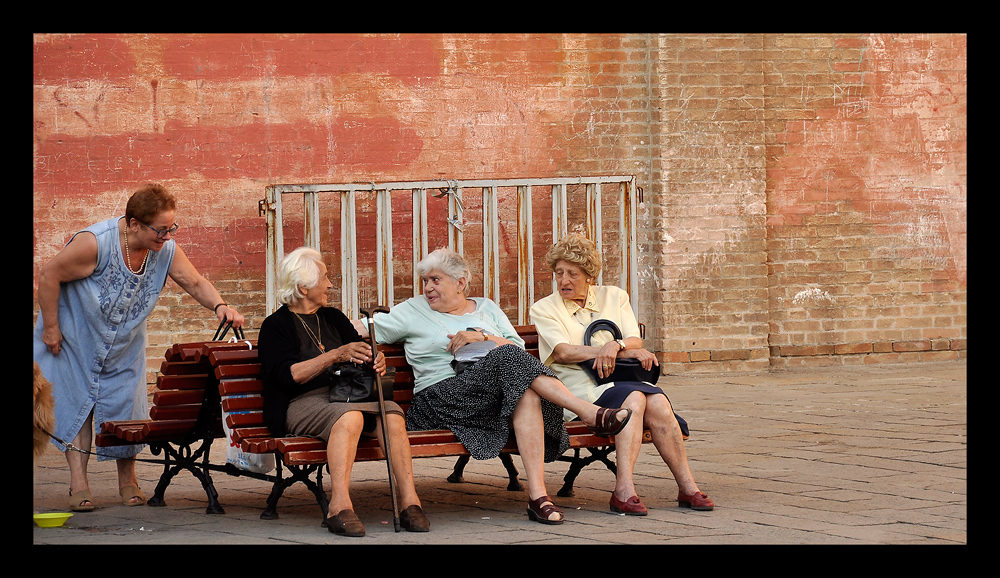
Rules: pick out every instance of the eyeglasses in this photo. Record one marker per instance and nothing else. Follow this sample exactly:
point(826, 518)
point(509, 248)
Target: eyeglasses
point(163, 233)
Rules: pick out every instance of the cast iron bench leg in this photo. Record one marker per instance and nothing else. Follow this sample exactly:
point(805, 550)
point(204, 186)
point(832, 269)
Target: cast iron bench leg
point(182, 458)
point(297, 474)
point(513, 484)
point(156, 500)
point(457, 475)
point(577, 464)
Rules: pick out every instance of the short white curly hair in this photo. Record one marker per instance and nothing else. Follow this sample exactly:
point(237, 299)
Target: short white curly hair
point(448, 262)
point(300, 268)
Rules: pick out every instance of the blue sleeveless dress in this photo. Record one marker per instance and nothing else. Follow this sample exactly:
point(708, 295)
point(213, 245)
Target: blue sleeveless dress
point(101, 365)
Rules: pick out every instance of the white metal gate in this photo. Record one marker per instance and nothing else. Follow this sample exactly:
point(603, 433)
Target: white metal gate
point(593, 226)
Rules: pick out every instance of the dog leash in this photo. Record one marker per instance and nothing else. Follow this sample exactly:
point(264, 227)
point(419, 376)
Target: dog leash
point(72, 448)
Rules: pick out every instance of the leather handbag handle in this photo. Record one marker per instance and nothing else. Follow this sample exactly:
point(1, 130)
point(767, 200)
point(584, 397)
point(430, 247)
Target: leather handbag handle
point(221, 331)
point(601, 325)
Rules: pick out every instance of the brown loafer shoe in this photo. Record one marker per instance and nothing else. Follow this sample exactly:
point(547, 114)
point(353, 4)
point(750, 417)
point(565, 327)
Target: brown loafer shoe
point(414, 520)
point(695, 501)
point(630, 507)
point(346, 523)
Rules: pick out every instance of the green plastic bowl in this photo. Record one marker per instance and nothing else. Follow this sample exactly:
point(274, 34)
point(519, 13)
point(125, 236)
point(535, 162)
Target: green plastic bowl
point(53, 520)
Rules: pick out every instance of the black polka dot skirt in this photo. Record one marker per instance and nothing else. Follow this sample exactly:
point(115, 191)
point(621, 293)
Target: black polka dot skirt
point(478, 403)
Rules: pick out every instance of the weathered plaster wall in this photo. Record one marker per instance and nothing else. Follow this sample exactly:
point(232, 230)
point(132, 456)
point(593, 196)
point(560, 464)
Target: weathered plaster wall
point(804, 195)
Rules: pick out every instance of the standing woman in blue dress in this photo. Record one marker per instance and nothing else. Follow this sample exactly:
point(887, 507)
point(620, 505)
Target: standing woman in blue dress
point(90, 338)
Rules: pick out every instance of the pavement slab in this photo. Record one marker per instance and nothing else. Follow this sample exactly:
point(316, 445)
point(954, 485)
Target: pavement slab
point(865, 454)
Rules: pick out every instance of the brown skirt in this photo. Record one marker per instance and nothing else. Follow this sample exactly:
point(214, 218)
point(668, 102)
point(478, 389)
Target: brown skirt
point(312, 414)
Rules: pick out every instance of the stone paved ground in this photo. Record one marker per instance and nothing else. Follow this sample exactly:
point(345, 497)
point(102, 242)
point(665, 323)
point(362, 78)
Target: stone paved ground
point(839, 455)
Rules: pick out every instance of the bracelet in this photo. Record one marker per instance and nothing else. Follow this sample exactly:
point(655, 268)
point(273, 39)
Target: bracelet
point(485, 337)
point(216, 308)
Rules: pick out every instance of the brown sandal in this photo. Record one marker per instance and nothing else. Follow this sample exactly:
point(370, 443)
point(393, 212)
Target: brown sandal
point(539, 511)
point(81, 501)
point(132, 492)
point(608, 423)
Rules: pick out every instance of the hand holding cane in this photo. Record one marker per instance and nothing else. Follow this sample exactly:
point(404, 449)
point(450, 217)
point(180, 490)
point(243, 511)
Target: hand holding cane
point(369, 313)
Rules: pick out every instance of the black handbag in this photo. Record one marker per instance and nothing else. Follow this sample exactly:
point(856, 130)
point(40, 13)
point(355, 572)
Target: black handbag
point(626, 369)
point(356, 384)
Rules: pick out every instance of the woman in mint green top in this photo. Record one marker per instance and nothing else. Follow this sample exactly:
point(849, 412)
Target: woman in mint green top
point(508, 388)
point(426, 331)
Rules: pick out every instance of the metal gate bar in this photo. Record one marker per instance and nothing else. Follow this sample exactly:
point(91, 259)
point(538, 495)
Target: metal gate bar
point(454, 189)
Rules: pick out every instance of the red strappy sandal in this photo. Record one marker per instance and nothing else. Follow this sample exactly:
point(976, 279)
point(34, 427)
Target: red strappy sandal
point(539, 511)
point(608, 423)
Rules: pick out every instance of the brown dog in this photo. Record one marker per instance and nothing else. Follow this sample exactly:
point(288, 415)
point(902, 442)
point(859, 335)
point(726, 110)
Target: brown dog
point(44, 407)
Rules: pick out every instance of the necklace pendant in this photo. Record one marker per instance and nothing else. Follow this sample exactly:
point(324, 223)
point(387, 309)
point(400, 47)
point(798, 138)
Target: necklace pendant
point(321, 348)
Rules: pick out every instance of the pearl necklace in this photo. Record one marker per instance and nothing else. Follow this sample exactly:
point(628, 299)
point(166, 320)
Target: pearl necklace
point(128, 258)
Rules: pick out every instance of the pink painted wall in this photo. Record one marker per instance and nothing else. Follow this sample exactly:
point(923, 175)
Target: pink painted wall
point(804, 194)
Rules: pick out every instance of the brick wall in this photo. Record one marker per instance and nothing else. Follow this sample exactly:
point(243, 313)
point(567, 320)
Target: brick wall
point(867, 196)
point(804, 195)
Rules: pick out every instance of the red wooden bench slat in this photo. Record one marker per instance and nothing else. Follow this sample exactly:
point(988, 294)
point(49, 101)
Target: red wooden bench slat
point(237, 420)
point(240, 386)
point(237, 370)
point(118, 427)
point(222, 357)
point(166, 430)
point(183, 367)
point(167, 426)
point(293, 444)
point(183, 351)
point(178, 397)
point(109, 426)
point(305, 458)
point(106, 440)
point(241, 433)
point(250, 403)
point(259, 445)
point(191, 381)
point(188, 411)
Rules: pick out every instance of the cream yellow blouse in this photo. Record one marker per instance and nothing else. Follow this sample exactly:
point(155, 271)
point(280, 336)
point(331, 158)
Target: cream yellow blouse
point(561, 320)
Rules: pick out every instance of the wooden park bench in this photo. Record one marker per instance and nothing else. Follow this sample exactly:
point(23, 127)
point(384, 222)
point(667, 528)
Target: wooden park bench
point(239, 376)
point(184, 419)
point(200, 380)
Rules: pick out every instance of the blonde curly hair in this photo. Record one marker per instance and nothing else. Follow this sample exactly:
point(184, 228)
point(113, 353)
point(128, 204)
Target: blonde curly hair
point(578, 250)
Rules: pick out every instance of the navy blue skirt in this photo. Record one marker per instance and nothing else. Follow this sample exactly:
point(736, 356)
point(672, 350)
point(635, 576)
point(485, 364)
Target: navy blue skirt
point(615, 396)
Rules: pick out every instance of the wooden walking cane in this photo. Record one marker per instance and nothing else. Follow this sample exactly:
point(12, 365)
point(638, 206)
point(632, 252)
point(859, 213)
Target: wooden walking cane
point(369, 313)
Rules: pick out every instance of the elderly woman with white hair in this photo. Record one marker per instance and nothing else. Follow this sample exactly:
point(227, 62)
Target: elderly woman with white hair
point(301, 345)
point(507, 387)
